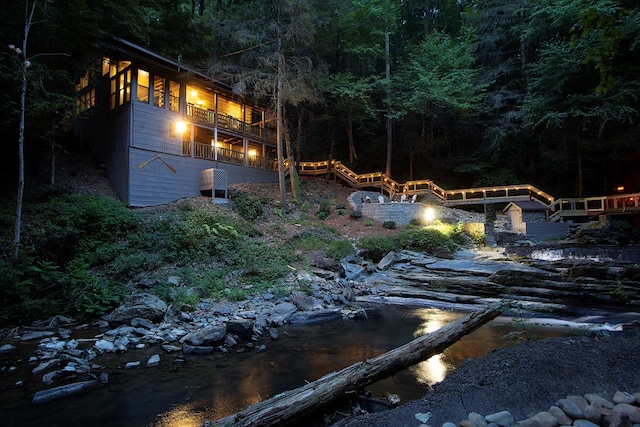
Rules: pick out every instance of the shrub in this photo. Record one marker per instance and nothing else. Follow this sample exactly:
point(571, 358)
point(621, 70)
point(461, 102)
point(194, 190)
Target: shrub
point(341, 206)
point(368, 223)
point(322, 215)
point(339, 249)
point(248, 206)
point(356, 214)
point(391, 225)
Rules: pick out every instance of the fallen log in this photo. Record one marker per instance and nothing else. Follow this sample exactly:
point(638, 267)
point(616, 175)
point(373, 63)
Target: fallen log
point(290, 405)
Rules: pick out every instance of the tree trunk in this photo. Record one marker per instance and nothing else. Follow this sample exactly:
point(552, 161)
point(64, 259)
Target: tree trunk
point(286, 407)
point(279, 102)
point(28, 15)
point(387, 49)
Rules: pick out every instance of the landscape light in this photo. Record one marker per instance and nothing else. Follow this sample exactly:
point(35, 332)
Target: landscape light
point(429, 215)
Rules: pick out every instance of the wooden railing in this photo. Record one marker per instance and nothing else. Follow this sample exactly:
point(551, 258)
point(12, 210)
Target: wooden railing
point(467, 196)
point(592, 206)
point(224, 121)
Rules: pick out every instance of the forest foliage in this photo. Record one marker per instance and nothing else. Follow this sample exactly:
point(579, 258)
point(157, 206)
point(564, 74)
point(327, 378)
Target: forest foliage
point(482, 91)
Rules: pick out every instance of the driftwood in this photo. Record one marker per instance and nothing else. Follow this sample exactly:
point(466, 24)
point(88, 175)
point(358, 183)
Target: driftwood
point(287, 406)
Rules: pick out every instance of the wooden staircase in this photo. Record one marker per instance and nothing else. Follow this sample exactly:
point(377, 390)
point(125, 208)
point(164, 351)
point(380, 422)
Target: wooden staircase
point(557, 210)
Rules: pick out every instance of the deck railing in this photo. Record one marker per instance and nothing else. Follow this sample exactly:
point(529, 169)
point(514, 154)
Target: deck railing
point(230, 123)
point(467, 196)
point(592, 206)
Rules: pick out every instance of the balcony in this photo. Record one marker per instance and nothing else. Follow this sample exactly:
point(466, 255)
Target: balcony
point(229, 123)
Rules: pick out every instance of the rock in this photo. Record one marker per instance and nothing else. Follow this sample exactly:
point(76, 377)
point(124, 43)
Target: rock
point(171, 348)
point(477, 419)
point(279, 314)
point(529, 422)
point(386, 261)
point(138, 305)
point(209, 335)
point(105, 346)
point(173, 280)
point(131, 365)
point(262, 348)
point(591, 413)
point(633, 412)
point(504, 418)
point(545, 419)
point(352, 269)
point(137, 322)
point(230, 341)
point(240, 327)
point(44, 366)
point(579, 400)
point(121, 344)
point(571, 408)
point(193, 349)
point(55, 393)
point(6, 348)
point(36, 335)
point(273, 333)
point(314, 317)
point(423, 418)
point(584, 423)
point(447, 424)
point(623, 397)
point(598, 401)
point(54, 346)
point(104, 378)
point(153, 361)
point(620, 419)
point(304, 302)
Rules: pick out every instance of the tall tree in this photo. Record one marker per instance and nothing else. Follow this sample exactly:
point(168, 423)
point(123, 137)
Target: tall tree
point(438, 77)
point(585, 79)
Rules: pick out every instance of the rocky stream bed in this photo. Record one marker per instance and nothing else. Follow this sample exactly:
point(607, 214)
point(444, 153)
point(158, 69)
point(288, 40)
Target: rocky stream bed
point(69, 357)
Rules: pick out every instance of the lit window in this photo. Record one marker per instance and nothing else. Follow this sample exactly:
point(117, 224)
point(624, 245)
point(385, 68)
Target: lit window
point(174, 96)
point(105, 65)
point(120, 85)
point(158, 91)
point(143, 86)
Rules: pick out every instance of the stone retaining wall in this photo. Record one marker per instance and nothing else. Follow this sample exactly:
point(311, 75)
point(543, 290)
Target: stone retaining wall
point(400, 213)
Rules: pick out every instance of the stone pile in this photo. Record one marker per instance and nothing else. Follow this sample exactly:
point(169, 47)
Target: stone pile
point(622, 409)
point(68, 364)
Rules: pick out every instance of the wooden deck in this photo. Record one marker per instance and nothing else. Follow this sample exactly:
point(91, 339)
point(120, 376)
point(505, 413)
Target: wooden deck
point(557, 210)
point(394, 189)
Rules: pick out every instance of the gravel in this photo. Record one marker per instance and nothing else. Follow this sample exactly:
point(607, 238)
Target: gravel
point(524, 380)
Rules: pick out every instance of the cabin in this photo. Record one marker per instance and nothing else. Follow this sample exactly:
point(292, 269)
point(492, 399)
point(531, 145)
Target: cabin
point(165, 131)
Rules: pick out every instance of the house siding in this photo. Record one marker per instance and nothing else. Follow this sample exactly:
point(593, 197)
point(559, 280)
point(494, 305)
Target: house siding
point(155, 184)
point(151, 126)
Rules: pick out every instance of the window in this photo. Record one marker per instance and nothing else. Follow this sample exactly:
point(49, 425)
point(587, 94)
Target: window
point(158, 91)
point(174, 96)
point(143, 86)
point(86, 100)
point(105, 65)
point(120, 84)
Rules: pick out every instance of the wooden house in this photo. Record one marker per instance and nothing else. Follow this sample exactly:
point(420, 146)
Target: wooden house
point(161, 128)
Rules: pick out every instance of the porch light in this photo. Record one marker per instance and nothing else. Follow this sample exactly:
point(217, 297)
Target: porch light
point(253, 153)
point(620, 188)
point(180, 127)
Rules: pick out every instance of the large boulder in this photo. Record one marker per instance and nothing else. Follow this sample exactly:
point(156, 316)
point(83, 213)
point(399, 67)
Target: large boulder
point(210, 335)
point(142, 305)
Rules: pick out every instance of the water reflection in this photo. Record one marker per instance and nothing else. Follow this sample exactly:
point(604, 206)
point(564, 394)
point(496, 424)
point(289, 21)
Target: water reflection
point(432, 370)
point(212, 387)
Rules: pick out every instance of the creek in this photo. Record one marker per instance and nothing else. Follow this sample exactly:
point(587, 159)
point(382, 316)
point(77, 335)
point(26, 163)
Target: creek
point(213, 386)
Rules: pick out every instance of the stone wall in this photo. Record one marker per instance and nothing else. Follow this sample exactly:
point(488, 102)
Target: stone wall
point(400, 213)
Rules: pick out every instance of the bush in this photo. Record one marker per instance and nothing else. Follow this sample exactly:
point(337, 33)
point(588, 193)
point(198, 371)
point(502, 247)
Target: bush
point(356, 214)
point(339, 249)
point(368, 223)
point(391, 225)
point(248, 206)
point(322, 215)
